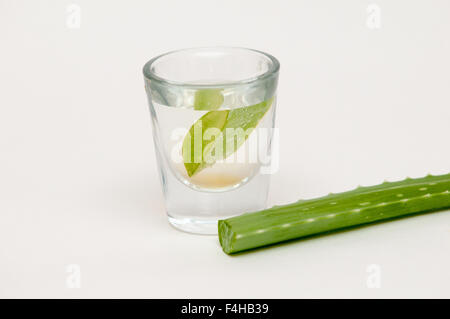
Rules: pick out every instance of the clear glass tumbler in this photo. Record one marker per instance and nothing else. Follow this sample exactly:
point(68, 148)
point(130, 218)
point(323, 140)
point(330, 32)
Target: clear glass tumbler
point(213, 113)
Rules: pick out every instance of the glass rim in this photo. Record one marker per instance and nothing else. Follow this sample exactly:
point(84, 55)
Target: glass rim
point(150, 75)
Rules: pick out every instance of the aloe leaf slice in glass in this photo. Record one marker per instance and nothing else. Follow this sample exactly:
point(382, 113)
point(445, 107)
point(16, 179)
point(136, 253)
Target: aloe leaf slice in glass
point(208, 99)
point(199, 146)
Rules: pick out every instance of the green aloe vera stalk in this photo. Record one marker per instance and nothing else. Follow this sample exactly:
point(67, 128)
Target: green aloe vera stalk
point(336, 211)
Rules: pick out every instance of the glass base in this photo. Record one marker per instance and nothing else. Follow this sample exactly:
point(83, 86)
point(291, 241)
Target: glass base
point(195, 226)
point(197, 212)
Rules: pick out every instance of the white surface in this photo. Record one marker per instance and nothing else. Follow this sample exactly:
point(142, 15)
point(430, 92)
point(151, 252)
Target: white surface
point(78, 179)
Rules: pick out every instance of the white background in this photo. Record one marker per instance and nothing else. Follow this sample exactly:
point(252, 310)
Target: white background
point(78, 178)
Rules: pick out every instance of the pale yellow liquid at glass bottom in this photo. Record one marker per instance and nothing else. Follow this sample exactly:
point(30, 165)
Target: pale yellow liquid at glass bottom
point(220, 175)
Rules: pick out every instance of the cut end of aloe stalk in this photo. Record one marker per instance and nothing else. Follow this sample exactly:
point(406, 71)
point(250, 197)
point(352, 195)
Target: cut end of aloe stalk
point(226, 236)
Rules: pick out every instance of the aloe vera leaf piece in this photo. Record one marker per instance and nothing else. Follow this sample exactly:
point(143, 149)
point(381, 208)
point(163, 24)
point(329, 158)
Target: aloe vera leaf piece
point(196, 147)
point(208, 99)
point(336, 211)
point(194, 144)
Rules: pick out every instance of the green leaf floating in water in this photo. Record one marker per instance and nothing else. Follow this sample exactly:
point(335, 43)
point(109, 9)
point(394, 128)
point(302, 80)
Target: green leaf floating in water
point(208, 99)
point(218, 134)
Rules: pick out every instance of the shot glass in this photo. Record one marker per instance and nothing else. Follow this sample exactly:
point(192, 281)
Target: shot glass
point(213, 113)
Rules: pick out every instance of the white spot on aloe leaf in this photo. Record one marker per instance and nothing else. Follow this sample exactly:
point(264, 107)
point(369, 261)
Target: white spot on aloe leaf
point(404, 200)
point(423, 189)
point(382, 204)
point(364, 204)
point(427, 195)
point(310, 220)
point(357, 210)
point(399, 195)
